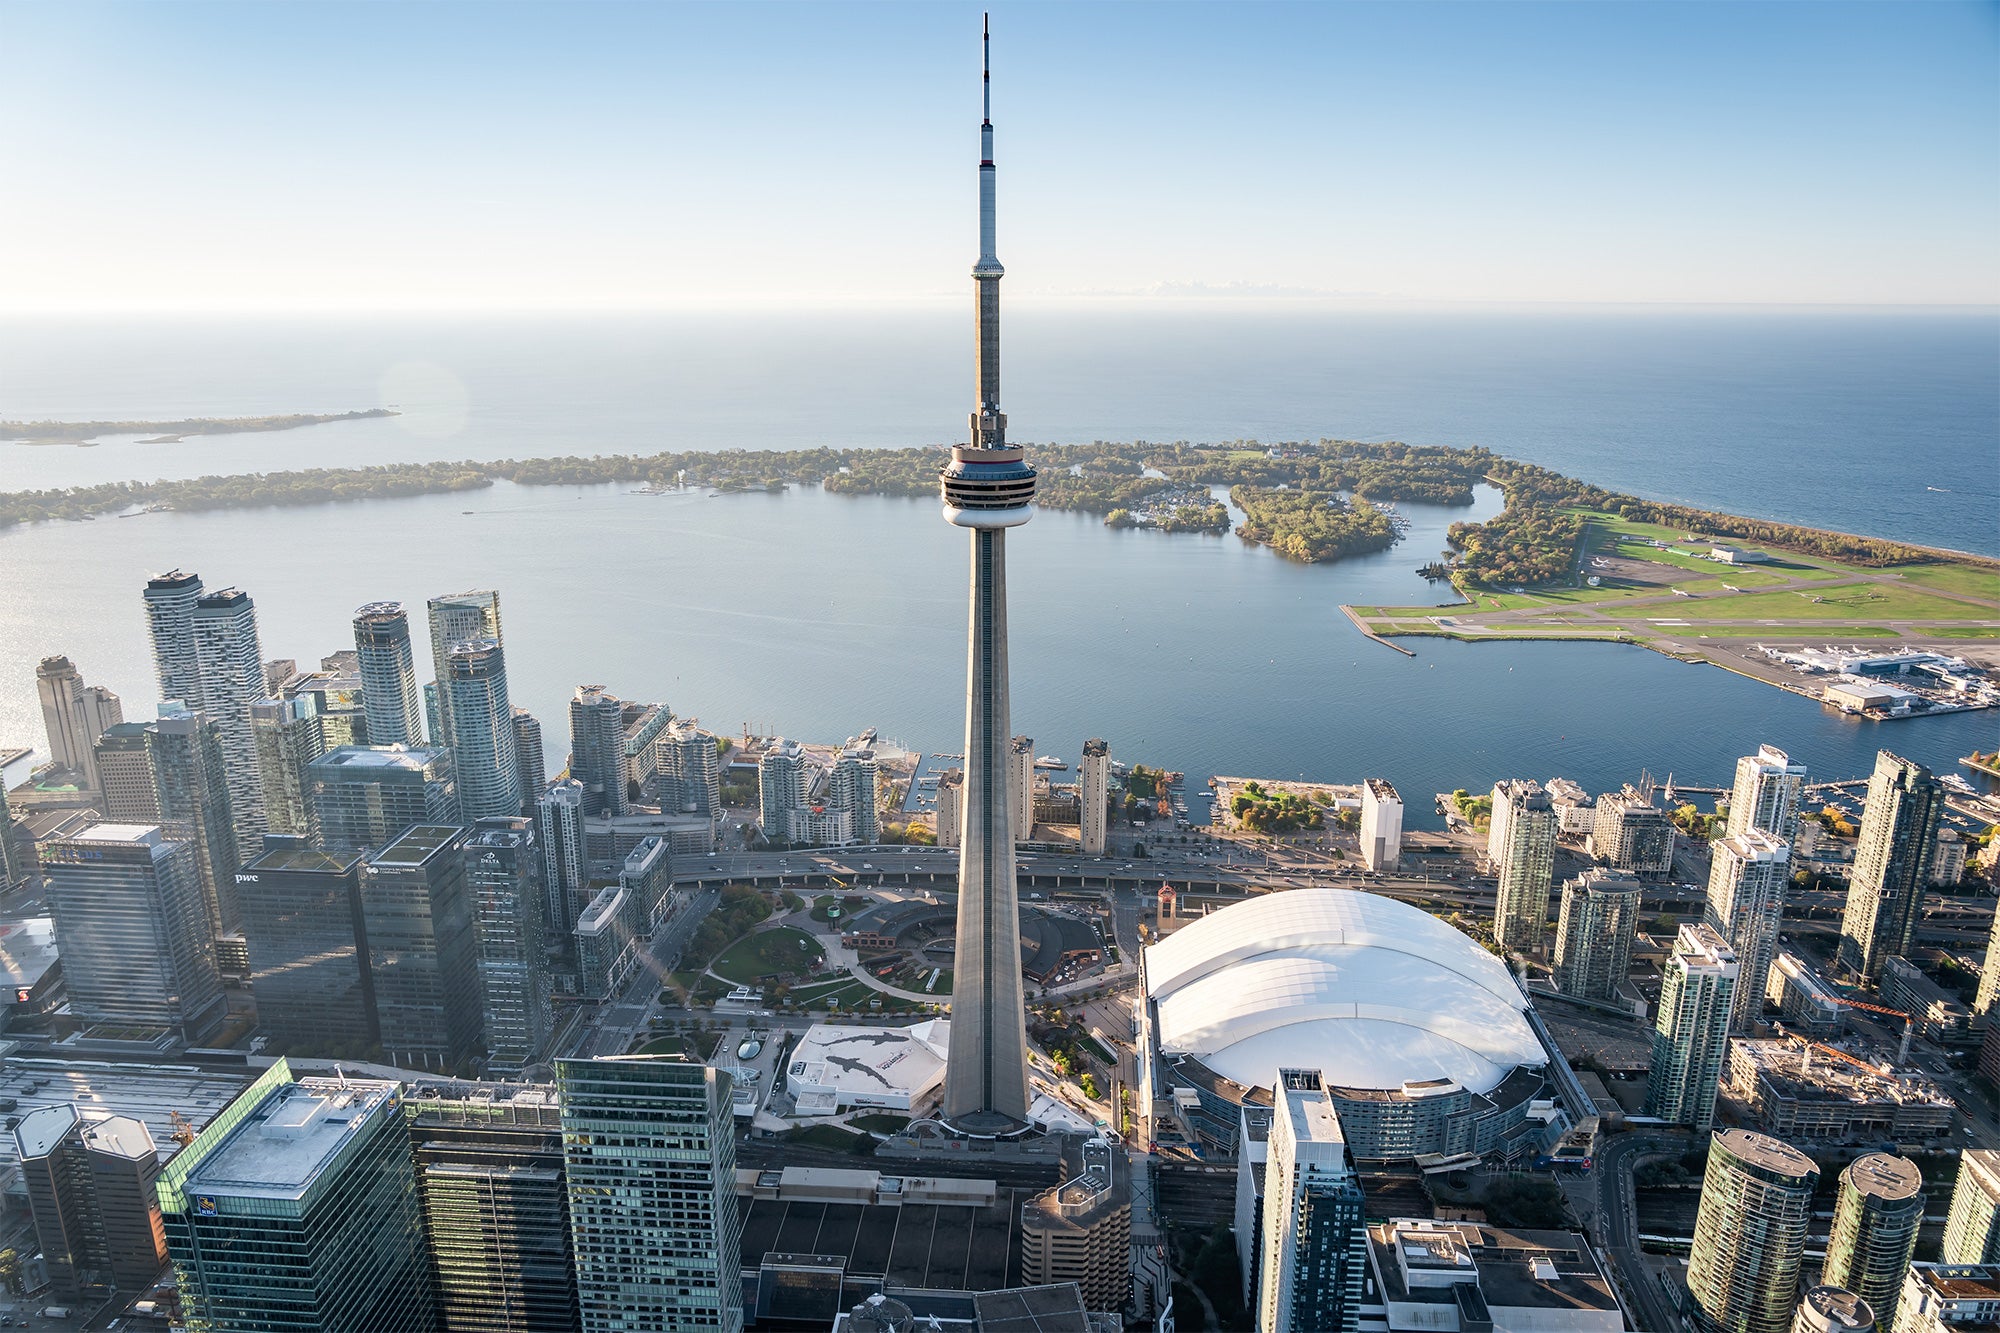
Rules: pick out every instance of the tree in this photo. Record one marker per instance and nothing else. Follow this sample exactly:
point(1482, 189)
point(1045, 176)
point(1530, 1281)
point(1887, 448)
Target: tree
point(10, 1270)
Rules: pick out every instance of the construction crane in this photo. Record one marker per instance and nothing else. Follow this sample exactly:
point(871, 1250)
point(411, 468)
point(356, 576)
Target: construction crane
point(1909, 1022)
point(180, 1129)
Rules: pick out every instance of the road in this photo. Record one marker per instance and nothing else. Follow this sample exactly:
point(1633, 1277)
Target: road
point(1617, 1222)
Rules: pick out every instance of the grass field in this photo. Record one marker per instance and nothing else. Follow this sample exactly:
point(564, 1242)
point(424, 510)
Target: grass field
point(1773, 632)
point(1956, 578)
point(784, 950)
point(1876, 601)
point(1966, 632)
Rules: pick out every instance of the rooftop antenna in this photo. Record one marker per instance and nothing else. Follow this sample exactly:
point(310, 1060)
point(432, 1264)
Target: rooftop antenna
point(986, 64)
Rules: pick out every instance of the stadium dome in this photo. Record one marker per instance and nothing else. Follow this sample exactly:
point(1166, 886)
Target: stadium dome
point(1372, 991)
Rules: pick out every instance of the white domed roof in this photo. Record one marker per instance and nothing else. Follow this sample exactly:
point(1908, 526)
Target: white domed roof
point(1370, 990)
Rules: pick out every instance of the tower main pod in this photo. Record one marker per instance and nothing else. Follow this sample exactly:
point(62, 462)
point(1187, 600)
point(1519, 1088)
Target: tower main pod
point(988, 488)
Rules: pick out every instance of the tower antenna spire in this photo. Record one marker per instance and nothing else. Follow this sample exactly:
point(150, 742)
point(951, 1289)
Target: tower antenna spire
point(986, 62)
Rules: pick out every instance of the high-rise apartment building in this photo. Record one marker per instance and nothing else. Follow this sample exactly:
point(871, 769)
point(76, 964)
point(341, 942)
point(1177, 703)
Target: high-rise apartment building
point(422, 949)
point(565, 854)
point(988, 488)
point(454, 618)
point(337, 702)
point(1748, 1259)
point(363, 796)
point(1522, 846)
point(1748, 875)
point(503, 870)
point(1081, 1231)
point(1892, 861)
point(1381, 825)
point(191, 791)
point(649, 1150)
point(951, 807)
point(1941, 1298)
point(90, 1189)
point(1691, 1032)
point(1972, 1226)
point(1093, 793)
point(1021, 786)
point(1769, 788)
point(288, 740)
point(1600, 915)
point(489, 1164)
point(597, 749)
point(1315, 1261)
point(648, 874)
point(851, 787)
point(1629, 832)
point(125, 774)
point(170, 600)
point(74, 715)
point(388, 668)
point(1876, 1218)
point(530, 757)
point(297, 1208)
point(308, 945)
point(1989, 973)
point(230, 662)
point(783, 781)
point(482, 723)
point(135, 945)
point(690, 771)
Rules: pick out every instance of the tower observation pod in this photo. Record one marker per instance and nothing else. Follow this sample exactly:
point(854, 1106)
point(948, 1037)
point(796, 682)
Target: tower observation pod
point(987, 487)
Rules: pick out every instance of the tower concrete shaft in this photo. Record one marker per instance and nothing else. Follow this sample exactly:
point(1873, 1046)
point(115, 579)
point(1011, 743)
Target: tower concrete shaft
point(987, 487)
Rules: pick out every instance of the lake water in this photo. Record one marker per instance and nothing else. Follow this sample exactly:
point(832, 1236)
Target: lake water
point(818, 615)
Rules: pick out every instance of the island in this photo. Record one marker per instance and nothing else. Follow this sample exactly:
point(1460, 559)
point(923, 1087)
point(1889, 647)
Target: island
point(169, 432)
point(1564, 559)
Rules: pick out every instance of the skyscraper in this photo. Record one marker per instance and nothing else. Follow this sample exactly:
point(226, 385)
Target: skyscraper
point(231, 666)
point(422, 950)
point(597, 749)
point(1521, 843)
point(135, 946)
point(1093, 791)
point(1021, 786)
point(191, 788)
point(363, 796)
point(1629, 832)
point(482, 724)
point(125, 774)
point(782, 783)
point(1892, 862)
point(297, 1208)
point(503, 871)
point(1315, 1244)
point(1691, 1033)
point(288, 740)
point(170, 600)
point(389, 693)
point(1766, 797)
point(650, 1157)
point(1600, 913)
point(1749, 1249)
point(90, 1188)
point(1972, 1227)
point(308, 946)
point(74, 715)
point(851, 787)
point(489, 1162)
point(690, 771)
point(1875, 1223)
point(951, 808)
point(455, 618)
point(1381, 825)
point(565, 855)
point(1748, 874)
point(530, 758)
point(987, 487)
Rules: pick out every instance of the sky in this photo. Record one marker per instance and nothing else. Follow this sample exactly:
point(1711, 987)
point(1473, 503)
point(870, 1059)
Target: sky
point(309, 156)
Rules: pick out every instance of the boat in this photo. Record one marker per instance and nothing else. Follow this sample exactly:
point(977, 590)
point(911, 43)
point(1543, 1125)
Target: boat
point(1049, 761)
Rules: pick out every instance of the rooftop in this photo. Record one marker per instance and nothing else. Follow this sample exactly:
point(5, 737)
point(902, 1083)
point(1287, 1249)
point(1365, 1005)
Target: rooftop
point(279, 1150)
point(303, 858)
point(27, 951)
point(1761, 1150)
point(150, 1093)
point(120, 1136)
point(417, 844)
point(1880, 1175)
point(385, 757)
point(867, 1060)
point(146, 835)
point(1425, 1263)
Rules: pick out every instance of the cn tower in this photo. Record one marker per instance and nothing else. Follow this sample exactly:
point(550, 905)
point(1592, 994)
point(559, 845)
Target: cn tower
point(989, 488)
